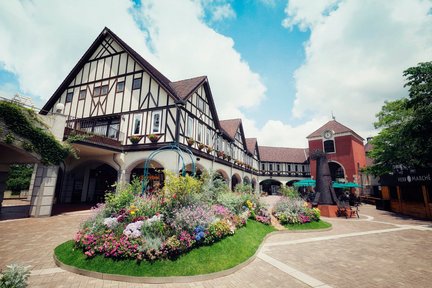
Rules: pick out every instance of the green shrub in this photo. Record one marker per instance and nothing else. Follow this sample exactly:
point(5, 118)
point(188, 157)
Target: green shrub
point(243, 188)
point(19, 177)
point(289, 192)
point(15, 276)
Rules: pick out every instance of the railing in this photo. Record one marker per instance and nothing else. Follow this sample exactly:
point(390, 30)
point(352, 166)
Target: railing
point(102, 131)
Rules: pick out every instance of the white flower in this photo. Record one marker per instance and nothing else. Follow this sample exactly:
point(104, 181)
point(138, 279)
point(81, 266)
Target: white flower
point(132, 230)
point(110, 222)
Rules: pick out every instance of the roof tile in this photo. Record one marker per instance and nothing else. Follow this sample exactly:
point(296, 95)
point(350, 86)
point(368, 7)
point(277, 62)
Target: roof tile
point(282, 154)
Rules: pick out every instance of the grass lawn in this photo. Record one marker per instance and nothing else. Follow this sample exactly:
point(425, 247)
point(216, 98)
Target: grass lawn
point(308, 226)
point(222, 255)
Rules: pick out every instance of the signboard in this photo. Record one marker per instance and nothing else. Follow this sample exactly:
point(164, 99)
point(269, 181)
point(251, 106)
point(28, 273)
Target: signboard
point(419, 177)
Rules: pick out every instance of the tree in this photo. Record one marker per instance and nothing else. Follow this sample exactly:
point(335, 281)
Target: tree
point(19, 177)
point(406, 136)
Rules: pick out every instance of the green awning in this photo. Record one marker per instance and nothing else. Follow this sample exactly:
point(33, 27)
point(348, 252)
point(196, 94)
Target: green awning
point(305, 183)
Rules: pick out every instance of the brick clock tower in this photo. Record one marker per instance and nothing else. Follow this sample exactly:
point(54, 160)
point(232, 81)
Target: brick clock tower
point(344, 150)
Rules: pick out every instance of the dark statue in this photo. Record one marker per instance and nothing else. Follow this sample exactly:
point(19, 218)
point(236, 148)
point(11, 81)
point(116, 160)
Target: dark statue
point(325, 194)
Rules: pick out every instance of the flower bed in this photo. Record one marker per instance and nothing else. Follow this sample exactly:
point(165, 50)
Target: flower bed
point(293, 210)
point(185, 214)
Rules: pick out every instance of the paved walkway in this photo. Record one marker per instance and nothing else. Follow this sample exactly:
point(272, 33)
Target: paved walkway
point(379, 250)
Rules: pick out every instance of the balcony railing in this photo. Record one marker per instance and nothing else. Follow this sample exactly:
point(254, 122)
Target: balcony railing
point(102, 131)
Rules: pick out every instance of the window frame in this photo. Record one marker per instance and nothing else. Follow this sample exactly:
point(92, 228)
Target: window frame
point(82, 92)
point(334, 146)
point(97, 88)
point(189, 126)
point(134, 85)
point(69, 97)
point(135, 116)
point(117, 86)
point(154, 113)
point(102, 89)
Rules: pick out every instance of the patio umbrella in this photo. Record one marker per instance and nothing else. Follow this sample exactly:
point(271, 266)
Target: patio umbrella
point(339, 185)
point(305, 183)
point(352, 185)
point(345, 185)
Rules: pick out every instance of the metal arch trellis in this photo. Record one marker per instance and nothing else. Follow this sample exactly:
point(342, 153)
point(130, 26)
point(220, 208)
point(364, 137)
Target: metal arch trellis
point(171, 147)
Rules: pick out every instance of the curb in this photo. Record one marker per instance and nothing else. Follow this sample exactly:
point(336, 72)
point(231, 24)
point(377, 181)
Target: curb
point(177, 279)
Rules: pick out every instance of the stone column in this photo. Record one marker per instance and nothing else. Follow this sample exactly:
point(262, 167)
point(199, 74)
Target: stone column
point(43, 190)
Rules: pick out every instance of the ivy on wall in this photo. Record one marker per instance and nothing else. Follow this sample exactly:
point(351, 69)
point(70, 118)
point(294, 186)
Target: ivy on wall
point(25, 123)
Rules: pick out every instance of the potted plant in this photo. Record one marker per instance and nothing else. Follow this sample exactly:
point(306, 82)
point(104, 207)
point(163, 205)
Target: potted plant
point(190, 141)
point(135, 139)
point(229, 158)
point(153, 138)
point(209, 149)
point(201, 146)
point(220, 153)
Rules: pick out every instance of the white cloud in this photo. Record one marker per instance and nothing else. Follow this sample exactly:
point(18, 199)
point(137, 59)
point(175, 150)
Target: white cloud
point(306, 14)
point(43, 40)
point(222, 12)
point(356, 55)
point(189, 48)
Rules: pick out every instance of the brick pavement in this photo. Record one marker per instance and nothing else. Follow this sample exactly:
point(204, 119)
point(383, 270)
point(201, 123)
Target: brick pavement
point(352, 254)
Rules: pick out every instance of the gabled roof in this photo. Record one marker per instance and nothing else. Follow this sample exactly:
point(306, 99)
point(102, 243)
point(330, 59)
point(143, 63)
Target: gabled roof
point(159, 77)
point(282, 154)
point(251, 144)
point(184, 88)
point(336, 127)
point(230, 128)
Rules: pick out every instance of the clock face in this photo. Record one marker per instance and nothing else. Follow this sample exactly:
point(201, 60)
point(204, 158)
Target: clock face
point(328, 134)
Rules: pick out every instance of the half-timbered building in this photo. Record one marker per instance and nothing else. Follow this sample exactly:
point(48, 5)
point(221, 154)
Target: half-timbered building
point(119, 109)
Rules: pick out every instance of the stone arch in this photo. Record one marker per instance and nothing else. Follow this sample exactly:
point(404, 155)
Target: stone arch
point(89, 162)
point(87, 182)
point(222, 174)
point(156, 176)
point(235, 180)
point(254, 182)
point(337, 171)
point(270, 186)
point(140, 162)
point(199, 169)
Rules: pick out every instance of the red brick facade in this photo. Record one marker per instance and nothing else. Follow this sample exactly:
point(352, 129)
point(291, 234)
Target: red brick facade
point(350, 153)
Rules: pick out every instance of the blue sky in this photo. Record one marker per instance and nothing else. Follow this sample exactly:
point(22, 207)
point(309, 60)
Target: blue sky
point(272, 50)
point(283, 66)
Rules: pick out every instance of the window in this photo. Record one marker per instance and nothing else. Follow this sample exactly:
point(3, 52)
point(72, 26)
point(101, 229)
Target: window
point(104, 90)
point(278, 167)
point(113, 129)
point(97, 91)
point(69, 97)
point(263, 166)
point(136, 84)
point(329, 146)
point(156, 122)
point(201, 104)
point(289, 167)
point(136, 124)
point(207, 142)
point(120, 86)
point(199, 133)
point(270, 167)
point(82, 94)
point(189, 130)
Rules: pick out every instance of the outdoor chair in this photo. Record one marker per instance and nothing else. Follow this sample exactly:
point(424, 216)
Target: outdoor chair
point(344, 209)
